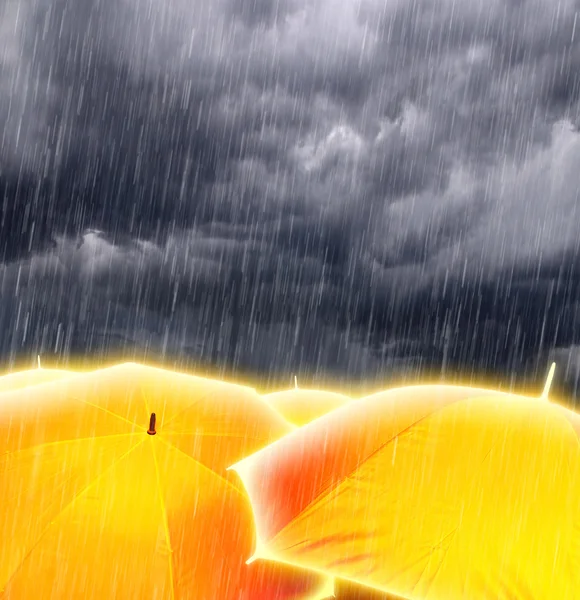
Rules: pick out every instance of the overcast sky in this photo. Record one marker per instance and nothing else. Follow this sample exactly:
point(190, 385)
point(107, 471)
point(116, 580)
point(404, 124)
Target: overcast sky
point(332, 188)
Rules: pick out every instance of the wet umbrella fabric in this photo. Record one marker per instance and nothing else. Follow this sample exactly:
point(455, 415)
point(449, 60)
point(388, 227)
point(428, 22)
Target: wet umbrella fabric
point(100, 500)
point(21, 379)
point(428, 492)
point(301, 406)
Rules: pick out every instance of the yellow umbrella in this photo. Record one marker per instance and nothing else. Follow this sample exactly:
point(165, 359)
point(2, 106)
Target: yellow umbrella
point(428, 492)
point(113, 485)
point(348, 590)
point(21, 379)
point(301, 406)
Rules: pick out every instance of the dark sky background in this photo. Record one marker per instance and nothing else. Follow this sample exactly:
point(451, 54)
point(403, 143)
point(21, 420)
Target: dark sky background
point(351, 190)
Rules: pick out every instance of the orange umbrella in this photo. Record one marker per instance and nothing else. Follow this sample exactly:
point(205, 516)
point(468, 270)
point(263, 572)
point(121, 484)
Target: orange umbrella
point(114, 486)
point(301, 406)
point(428, 492)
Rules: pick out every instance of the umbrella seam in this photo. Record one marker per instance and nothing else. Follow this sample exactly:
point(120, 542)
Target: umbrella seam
point(65, 508)
point(212, 434)
point(569, 424)
point(68, 441)
point(165, 520)
point(109, 412)
point(200, 464)
point(326, 491)
point(330, 487)
point(453, 534)
point(185, 409)
point(161, 500)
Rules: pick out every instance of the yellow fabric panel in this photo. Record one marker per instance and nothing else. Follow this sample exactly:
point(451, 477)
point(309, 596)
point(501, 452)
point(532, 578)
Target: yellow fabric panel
point(203, 528)
point(38, 484)
point(109, 542)
point(186, 403)
point(189, 404)
point(302, 406)
point(60, 411)
point(479, 500)
point(523, 515)
point(347, 590)
point(214, 451)
point(21, 379)
point(116, 390)
point(210, 525)
point(120, 400)
point(317, 456)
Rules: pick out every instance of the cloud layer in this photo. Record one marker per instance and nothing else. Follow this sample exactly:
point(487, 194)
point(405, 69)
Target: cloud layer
point(343, 186)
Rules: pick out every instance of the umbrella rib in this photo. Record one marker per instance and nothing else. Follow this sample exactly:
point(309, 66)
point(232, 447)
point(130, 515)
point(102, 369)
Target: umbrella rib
point(200, 464)
point(185, 409)
point(50, 444)
point(165, 519)
point(332, 486)
point(215, 434)
point(23, 491)
point(562, 413)
point(451, 535)
point(569, 424)
point(66, 507)
point(109, 412)
point(68, 441)
point(400, 433)
point(161, 502)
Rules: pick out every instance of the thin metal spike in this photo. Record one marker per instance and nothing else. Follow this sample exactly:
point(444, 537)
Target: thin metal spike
point(548, 383)
point(295, 382)
point(38, 360)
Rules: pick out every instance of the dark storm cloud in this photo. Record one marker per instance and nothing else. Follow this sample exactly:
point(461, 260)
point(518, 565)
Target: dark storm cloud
point(263, 12)
point(399, 175)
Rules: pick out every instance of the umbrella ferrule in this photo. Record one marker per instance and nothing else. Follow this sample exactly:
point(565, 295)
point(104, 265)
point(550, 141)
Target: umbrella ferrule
point(151, 430)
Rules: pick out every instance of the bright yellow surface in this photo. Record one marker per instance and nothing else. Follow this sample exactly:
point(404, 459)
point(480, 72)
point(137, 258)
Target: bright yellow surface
point(347, 590)
point(22, 379)
point(92, 507)
point(301, 406)
point(430, 492)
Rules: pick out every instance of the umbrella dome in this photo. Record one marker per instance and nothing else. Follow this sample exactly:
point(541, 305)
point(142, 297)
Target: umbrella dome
point(21, 379)
point(348, 590)
point(301, 406)
point(114, 485)
point(428, 492)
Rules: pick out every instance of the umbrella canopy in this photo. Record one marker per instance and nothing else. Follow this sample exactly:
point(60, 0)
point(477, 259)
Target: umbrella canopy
point(21, 379)
point(428, 492)
point(114, 485)
point(301, 406)
point(347, 590)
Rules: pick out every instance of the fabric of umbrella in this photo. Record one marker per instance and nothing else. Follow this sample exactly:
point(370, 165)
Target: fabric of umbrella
point(301, 406)
point(347, 590)
point(21, 379)
point(114, 485)
point(428, 492)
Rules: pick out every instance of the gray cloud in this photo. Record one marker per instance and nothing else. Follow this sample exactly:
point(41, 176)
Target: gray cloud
point(380, 171)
